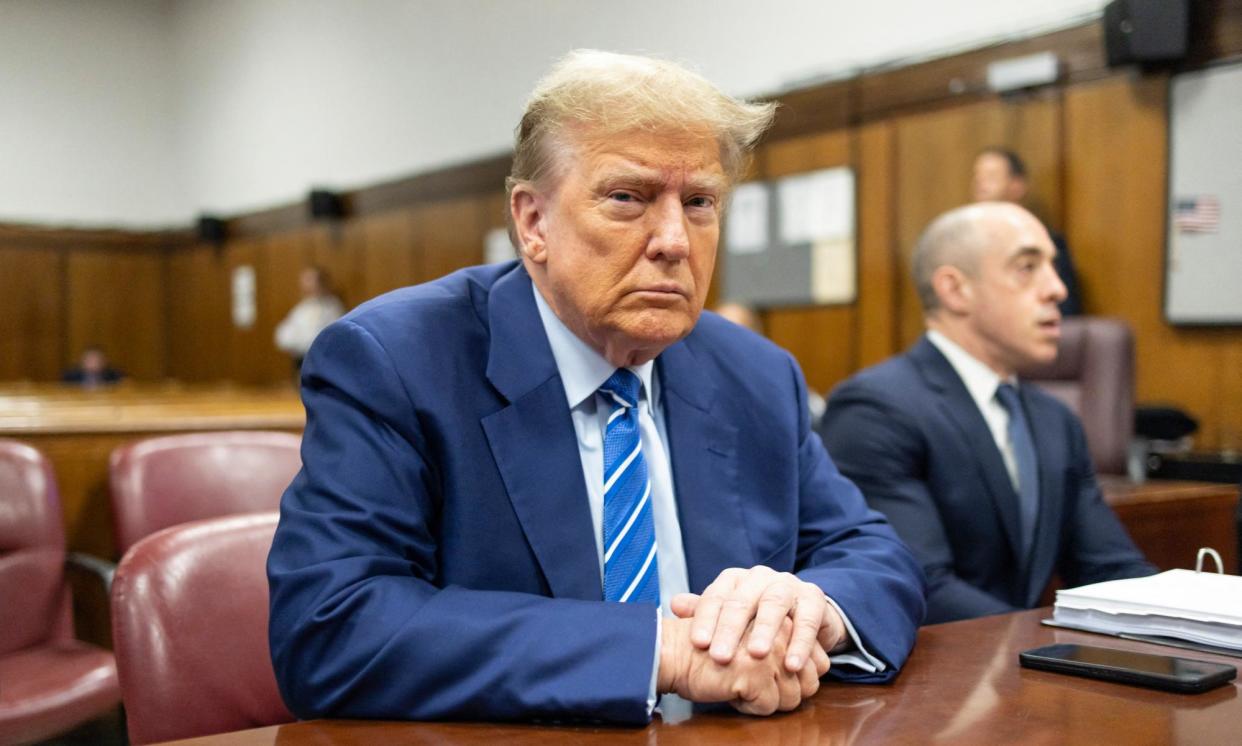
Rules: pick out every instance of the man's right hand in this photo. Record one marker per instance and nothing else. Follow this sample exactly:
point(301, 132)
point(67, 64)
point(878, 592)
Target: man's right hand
point(755, 686)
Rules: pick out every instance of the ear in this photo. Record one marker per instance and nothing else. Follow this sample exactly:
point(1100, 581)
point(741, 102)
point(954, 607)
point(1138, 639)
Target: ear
point(954, 289)
point(527, 207)
point(1016, 189)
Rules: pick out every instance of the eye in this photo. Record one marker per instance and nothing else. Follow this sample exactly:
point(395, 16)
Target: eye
point(701, 200)
point(623, 197)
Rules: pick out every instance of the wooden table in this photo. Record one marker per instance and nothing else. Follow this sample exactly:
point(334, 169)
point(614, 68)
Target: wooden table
point(962, 685)
point(77, 429)
point(1170, 520)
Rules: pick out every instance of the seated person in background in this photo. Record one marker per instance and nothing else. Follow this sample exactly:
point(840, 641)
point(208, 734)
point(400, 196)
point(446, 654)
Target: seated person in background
point(987, 479)
point(318, 308)
point(514, 474)
point(743, 315)
point(999, 175)
point(92, 369)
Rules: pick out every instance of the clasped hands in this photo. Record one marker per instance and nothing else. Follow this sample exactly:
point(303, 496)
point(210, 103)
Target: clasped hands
point(756, 638)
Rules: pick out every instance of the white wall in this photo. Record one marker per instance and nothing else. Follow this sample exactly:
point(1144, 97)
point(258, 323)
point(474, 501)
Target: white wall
point(86, 112)
point(271, 97)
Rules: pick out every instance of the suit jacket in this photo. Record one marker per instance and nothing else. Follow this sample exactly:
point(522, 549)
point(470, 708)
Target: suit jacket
point(911, 437)
point(435, 556)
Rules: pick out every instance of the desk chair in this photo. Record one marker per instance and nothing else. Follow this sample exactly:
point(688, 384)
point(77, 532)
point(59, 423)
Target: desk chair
point(49, 682)
point(189, 621)
point(161, 482)
point(1093, 375)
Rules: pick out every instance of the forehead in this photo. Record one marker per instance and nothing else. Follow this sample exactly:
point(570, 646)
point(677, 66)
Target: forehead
point(663, 154)
point(991, 162)
point(1010, 232)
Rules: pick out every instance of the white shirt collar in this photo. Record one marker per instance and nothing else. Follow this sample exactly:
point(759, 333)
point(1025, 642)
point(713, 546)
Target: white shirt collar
point(981, 381)
point(582, 369)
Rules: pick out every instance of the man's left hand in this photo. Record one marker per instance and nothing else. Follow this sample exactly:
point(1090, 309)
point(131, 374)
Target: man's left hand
point(765, 597)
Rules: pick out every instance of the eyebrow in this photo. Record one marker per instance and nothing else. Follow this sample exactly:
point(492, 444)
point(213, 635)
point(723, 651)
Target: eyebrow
point(1025, 251)
point(650, 178)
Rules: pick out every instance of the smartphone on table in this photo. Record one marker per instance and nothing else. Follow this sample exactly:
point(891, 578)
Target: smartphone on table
point(1170, 673)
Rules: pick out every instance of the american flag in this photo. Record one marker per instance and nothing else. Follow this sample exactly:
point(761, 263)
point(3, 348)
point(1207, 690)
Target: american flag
point(1196, 214)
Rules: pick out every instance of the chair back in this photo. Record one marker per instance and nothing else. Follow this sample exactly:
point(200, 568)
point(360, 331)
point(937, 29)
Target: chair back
point(189, 621)
point(161, 482)
point(1093, 375)
point(34, 603)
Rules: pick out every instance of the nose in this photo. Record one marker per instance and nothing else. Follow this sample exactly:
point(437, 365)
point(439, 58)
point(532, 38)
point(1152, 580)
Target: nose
point(1055, 287)
point(669, 238)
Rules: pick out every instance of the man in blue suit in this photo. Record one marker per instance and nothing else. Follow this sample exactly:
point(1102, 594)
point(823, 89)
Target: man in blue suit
point(514, 476)
point(986, 478)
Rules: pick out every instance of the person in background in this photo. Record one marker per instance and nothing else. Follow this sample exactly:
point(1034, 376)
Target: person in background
point(552, 488)
point(92, 369)
point(987, 479)
point(318, 308)
point(746, 316)
point(1000, 175)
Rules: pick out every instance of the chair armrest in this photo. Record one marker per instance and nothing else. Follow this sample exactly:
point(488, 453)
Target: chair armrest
point(100, 568)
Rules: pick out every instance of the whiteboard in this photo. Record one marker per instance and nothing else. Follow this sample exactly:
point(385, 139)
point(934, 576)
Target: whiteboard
point(1203, 249)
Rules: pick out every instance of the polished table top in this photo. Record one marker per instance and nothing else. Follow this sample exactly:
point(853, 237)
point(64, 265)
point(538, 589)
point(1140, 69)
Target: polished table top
point(962, 685)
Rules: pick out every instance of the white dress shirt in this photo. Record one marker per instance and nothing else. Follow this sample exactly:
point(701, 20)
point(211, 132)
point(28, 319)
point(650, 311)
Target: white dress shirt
point(982, 382)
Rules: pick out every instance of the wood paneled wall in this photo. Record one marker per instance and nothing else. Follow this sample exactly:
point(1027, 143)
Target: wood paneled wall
point(1095, 144)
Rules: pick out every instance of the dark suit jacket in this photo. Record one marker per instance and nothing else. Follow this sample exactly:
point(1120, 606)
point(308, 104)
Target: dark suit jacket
point(435, 556)
point(911, 437)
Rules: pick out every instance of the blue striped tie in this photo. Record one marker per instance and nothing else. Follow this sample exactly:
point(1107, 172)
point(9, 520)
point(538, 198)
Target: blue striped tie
point(631, 573)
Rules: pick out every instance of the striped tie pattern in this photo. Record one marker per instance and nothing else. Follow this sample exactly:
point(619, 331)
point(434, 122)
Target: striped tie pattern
point(631, 573)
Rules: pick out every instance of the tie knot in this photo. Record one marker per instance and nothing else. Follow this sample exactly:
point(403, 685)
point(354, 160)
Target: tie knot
point(1007, 395)
point(623, 386)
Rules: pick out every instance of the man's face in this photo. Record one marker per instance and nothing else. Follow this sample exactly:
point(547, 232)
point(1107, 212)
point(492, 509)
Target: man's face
point(626, 241)
point(992, 180)
point(1015, 292)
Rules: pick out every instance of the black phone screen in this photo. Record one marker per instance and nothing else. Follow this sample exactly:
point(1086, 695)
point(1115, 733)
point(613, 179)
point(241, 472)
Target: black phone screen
point(1144, 669)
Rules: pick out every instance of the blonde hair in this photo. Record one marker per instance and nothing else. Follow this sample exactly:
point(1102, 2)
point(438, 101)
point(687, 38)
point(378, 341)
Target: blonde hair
point(608, 93)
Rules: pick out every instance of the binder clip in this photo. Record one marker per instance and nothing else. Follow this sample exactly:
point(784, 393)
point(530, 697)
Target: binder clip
point(1209, 552)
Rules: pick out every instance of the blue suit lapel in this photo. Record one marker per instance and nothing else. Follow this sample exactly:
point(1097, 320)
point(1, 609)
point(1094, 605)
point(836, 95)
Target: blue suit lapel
point(534, 444)
point(1045, 432)
point(957, 405)
point(703, 449)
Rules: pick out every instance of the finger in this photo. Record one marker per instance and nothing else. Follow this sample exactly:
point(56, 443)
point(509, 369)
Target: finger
point(808, 617)
point(820, 660)
point(775, 603)
point(760, 696)
point(707, 612)
point(789, 685)
point(737, 612)
point(809, 681)
point(684, 604)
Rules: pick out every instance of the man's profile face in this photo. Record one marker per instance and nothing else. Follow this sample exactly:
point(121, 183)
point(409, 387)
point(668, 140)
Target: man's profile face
point(1015, 292)
point(992, 180)
point(630, 233)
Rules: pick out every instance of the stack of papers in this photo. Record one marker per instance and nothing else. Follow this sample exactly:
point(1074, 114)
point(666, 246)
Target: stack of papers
point(1198, 607)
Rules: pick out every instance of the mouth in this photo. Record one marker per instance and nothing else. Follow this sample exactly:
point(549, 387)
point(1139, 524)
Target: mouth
point(1051, 326)
point(662, 289)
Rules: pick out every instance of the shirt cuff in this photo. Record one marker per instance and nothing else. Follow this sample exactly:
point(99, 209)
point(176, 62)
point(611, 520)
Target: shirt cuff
point(859, 657)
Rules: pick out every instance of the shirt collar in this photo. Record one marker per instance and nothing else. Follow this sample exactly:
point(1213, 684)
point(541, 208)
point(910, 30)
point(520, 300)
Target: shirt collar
point(981, 381)
point(582, 369)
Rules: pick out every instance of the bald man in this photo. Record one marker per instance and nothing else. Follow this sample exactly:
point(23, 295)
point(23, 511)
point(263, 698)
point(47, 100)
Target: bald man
point(986, 478)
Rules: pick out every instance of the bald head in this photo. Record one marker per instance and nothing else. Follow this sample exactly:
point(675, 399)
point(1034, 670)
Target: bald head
point(958, 238)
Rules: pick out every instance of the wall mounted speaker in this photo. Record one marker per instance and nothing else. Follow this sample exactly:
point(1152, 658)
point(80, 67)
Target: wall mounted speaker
point(212, 229)
point(1146, 31)
point(326, 204)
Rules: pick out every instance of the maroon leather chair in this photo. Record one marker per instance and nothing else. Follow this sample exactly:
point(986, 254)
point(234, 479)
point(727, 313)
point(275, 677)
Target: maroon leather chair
point(1094, 376)
point(189, 624)
point(49, 681)
point(161, 482)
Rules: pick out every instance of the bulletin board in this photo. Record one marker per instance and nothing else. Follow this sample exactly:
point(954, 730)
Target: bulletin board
point(1203, 249)
point(791, 241)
